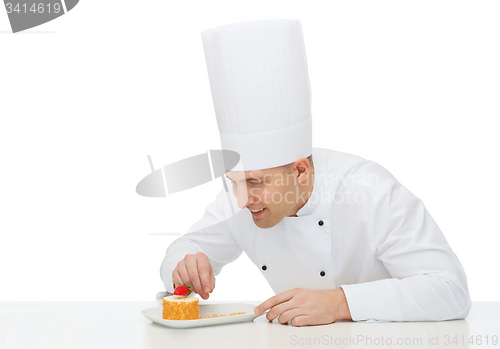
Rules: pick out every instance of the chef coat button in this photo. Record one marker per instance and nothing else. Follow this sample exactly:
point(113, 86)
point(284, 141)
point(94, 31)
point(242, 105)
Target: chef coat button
point(322, 273)
point(321, 223)
point(264, 267)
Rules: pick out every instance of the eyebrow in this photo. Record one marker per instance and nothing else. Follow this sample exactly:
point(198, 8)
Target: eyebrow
point(248, 179)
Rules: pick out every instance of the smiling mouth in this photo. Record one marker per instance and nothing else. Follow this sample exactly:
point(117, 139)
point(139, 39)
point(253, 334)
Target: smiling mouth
point(258, 213)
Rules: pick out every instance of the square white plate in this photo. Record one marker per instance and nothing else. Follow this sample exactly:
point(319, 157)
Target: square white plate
point(155, 315)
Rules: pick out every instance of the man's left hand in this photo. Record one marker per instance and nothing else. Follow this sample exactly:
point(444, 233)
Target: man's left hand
point(302, 307)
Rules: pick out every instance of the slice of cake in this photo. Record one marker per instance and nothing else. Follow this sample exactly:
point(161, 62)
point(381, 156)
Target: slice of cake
point(181, 308)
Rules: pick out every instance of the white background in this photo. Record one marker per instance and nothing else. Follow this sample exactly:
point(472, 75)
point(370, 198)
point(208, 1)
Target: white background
point(84, 99)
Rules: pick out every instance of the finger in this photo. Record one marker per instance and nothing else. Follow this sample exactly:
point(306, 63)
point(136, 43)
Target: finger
point(280, 309)
point(212, 280)
point(289, 315)
point(176, 278)
point(183, 272)
point(192, 268)
point(301, 320)
point(275, 300)
point(204, 268)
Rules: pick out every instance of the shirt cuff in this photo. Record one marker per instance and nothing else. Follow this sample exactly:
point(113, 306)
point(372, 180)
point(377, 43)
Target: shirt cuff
point(375, 300)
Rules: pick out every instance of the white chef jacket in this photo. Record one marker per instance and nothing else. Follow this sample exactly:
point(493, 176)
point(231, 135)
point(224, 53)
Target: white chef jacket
point(360, 230)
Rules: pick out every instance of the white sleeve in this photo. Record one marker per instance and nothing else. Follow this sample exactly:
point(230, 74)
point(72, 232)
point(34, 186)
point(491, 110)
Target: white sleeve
point(209, 235)
point(428, 282)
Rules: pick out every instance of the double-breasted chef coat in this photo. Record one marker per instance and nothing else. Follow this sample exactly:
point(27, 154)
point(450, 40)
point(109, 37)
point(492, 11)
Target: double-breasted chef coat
point(360, 230)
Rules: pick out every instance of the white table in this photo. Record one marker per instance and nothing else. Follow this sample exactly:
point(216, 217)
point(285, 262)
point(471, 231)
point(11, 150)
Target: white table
point(72, 325)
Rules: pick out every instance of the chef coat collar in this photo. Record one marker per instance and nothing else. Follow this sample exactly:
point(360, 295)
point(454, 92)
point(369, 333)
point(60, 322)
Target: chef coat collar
point(312, 203)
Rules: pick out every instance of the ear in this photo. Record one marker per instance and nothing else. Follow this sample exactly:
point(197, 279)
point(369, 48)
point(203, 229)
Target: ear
point(303, 168)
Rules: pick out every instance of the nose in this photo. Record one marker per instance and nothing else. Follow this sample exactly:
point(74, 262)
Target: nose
point(243, 197)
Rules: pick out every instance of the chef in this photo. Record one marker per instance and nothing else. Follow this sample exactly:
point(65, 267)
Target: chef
point(335, 235)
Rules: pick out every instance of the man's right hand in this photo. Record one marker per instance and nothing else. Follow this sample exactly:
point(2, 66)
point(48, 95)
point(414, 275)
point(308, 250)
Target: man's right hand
point(196, 272)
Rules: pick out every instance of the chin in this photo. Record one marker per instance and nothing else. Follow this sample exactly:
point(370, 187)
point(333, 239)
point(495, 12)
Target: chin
point(264, 224)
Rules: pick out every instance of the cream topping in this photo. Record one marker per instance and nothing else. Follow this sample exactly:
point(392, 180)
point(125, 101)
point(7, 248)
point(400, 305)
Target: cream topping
point(180, 299)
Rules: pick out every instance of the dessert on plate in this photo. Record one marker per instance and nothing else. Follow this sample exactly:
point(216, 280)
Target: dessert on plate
point(181, 306)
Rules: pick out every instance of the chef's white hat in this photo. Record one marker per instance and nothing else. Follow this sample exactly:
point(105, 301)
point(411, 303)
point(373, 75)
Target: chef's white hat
point(260, 89)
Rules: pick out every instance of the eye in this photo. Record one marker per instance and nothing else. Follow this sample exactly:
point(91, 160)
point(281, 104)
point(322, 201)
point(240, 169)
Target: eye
point(255, 183)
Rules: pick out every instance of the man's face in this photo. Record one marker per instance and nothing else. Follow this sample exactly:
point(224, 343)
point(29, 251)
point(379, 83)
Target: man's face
point(269, 194)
